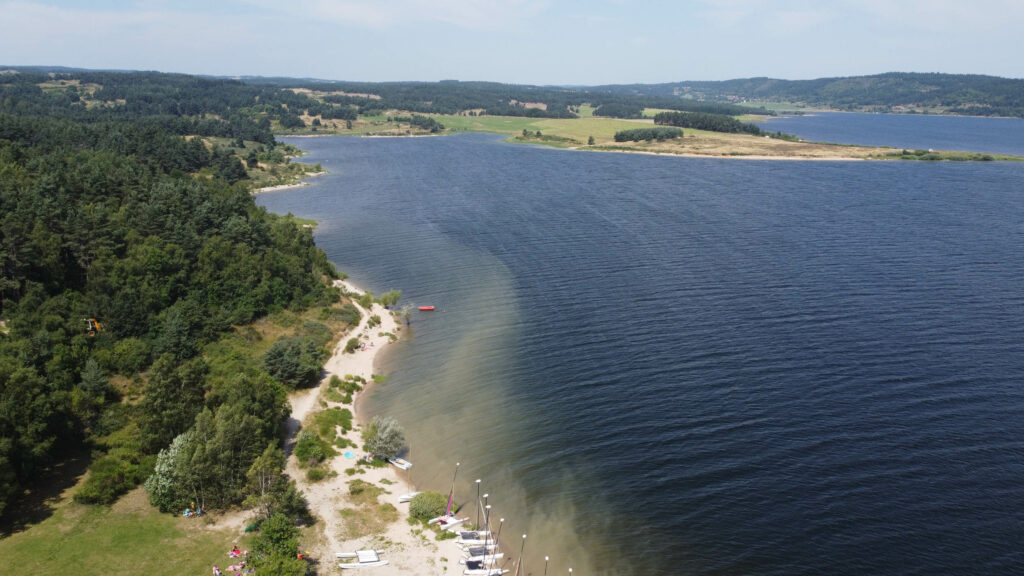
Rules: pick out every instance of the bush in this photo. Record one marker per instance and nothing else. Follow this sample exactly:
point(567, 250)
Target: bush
point(384, 437)
point(390, 298)
point(352, 345)
point(294, 362)
point(109, 477)
point(131, 355)
point(310, 449)
point(316, 474)
point(427, 505)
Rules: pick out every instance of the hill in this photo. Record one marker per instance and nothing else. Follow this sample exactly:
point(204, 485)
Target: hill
point(966, 94)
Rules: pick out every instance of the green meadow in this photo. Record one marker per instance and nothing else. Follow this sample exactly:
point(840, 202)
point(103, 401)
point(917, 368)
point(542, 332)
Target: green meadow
point(129, 538)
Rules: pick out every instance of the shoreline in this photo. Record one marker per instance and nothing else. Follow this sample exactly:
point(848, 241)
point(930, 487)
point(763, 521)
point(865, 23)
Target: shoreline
point(408, 548)
point(299, 184)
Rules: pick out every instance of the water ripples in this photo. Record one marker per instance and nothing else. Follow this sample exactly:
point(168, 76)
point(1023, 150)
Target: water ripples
point(667, 365)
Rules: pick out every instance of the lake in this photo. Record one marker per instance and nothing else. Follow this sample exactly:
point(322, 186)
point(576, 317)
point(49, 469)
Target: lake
point(910, 131)
point(699, 366)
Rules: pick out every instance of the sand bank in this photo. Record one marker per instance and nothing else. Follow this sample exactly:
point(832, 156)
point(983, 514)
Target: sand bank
point(408, 549)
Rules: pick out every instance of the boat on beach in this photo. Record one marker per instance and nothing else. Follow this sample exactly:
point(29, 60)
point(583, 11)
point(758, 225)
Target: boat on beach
point(487, 559)
point(400, 464)
point(402, 498)
point(481, 569)
point(364, 559)
point(449, 523)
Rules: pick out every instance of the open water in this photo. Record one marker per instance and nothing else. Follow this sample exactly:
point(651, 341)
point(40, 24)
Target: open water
point(688, 366)
point(910, 131)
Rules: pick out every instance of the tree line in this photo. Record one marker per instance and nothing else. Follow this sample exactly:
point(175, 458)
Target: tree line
point(130, 253)
point(956, 93)
point(709, 122)
point(658, 133)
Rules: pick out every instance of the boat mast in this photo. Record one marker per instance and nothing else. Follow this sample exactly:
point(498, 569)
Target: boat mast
point(451, 493)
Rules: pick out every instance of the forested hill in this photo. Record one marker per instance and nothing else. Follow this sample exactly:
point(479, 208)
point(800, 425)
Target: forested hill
point(494, 99)
point(949, 93)
point(129, 244)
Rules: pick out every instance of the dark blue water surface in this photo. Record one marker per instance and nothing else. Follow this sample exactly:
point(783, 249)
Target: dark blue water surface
point(912, 131)
point(711, 366)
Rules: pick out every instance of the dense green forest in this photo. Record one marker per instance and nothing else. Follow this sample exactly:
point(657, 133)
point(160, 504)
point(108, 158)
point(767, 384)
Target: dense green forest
point(950, 93)
point(711, 122)
point(495, 99)
point(130, 249)
point(658, 133)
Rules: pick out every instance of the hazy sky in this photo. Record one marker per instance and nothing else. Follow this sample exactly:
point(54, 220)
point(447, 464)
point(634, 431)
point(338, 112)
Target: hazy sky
point(520, 41)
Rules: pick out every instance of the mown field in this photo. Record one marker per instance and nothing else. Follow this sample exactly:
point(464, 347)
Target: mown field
point(128, 538)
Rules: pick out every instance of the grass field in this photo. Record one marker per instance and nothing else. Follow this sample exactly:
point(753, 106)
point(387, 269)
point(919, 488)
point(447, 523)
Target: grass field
point(129, 538)
point(576, 132)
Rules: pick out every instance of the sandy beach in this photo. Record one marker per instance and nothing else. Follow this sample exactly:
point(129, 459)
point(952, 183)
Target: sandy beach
point(408, 549)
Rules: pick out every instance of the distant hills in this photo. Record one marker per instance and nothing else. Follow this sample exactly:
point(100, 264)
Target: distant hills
point(900, 92)
point(969, 94)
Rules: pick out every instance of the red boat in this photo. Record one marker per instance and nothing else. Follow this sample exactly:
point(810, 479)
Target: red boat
point(427, 308)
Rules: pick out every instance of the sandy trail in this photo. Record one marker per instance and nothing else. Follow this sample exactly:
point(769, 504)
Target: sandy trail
point(408, 552)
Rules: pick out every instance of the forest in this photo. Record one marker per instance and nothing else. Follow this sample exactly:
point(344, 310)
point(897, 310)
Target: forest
point(495, 99)
point(710, 122)
point(969, 94)
point(130, 247)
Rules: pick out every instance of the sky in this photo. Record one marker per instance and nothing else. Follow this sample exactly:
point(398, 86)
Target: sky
point(550, 42)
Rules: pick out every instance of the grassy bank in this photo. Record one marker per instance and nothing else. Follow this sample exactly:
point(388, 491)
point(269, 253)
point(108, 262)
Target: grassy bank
point(129, 538)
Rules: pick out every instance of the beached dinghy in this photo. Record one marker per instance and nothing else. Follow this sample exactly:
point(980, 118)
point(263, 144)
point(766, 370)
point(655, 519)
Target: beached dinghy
point(480, 569)
point(406, 497)
point(400, 463)
point(479, 550)
point(449, 523)
point(488, 559)
point(474, 534)
point(364, 559)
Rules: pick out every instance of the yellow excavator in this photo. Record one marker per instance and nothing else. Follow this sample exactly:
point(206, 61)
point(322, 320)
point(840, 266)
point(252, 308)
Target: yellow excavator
point(94, 326)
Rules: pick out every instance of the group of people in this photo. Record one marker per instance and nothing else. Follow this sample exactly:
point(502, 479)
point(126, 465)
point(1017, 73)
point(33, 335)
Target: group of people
point(238, 569)
point(192, 511)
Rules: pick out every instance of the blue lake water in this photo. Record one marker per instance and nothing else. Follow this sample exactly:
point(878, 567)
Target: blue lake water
point(911, 131)
point(688, 366)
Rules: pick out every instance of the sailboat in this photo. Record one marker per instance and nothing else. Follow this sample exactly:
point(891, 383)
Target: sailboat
point(485, 558)
point(448, 521)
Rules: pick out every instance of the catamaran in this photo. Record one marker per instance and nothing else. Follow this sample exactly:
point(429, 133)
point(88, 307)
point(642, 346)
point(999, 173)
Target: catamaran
point(487, 559)
point(364, 559)
point(448, 521)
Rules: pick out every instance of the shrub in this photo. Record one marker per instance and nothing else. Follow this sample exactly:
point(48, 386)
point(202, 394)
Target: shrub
point(427, 505)
point(390, 298)
point(294, 362)
point(352, 345)
point(384, 437)
point(109, 477)
point(315, 474)
point(310, 449)
point(327, 420)
point(131, 355)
